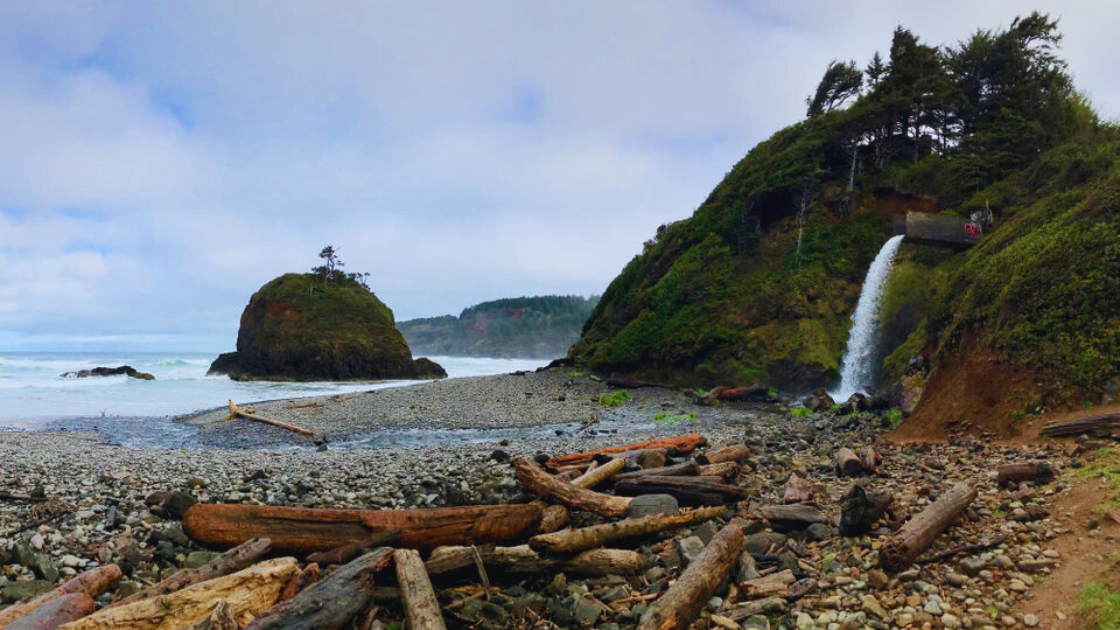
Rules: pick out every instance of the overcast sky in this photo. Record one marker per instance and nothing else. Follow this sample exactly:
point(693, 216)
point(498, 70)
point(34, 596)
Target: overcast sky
point(160, 161)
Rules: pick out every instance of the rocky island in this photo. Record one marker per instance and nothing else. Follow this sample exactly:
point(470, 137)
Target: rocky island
point(320, 326)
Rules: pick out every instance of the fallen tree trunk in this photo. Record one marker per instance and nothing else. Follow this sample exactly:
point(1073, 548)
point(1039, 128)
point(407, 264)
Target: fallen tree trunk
point(1103, 423)
point(92, 583)
point(249, 591)
point(220, 618)
point(572, 540)
point(346, 553)
point(537, 481)
point(740, 394)
point(902, 548)
point(625, 383)
point(848, 463)
point(773, 584)
point(643, 459)
point(235, 411)
point(687, 490)
point(1026, 471)
point(523, 559)
point(420, 604)
point(236, 559)
point(793, 516)
point(727, 470)
point(553, 516)
point(735, 453)
point(682, 444)
point(307, 530)
point(677, 470)
point(682, 603)
point(58, 611)
point(331, 603)
point(310, 575)
point(797, 490)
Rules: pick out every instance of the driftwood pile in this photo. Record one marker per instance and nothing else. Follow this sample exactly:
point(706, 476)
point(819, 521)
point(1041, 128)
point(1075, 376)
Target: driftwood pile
point(632, 492)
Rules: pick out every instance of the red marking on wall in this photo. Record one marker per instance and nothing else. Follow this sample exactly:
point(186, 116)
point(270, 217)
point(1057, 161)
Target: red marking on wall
point(972, 230)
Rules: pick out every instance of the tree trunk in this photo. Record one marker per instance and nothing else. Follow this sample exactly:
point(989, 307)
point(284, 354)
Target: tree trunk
point(793, 516)
point(220, 618)
point(687, 490)
point(901, 549)
point(307, 577)
point(553, 517)
point(644, 458)
point(306, 530)
point(93, 583)
point(572, 540)
point(1026, 471)
point(236, 559)
point(58, 611)
point(735, 453)
point(682, 444)
point(420, 604)
point(727, 470)
point(543, 484)
point(683, 470)
point(682, 603)
point(797, 490)
point(331, 603)
point(773, 584)
point(1104, 423)
point(235, 411)
point(346, 553)
point(625, 383)
point(250, 591)
point(522, 559)
point(848, 463)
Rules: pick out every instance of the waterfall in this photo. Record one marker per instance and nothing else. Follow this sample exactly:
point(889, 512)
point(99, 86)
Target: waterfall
point(857, 369)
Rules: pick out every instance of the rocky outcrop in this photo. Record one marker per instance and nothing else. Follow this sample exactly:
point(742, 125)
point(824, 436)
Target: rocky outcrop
point(127, 370)
point(299, 327)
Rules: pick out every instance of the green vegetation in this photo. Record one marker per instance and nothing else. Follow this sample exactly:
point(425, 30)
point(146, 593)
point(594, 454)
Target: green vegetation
point(1101, 605)
point(1107, 468)
point(800, 412)
point(757, 287)
point(663, 419)
point(614, 399)
point(894, 416)
point(535, 327)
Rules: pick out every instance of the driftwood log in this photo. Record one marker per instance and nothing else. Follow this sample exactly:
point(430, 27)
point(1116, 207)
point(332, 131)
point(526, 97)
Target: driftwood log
point(682, 603)
point(687, 490)
point(238, 412)
point(1025, 471)
point(307, 530)
point(640, 459)
point(682, 444)
point(220, 618)
point(236, 559)
point(554, 516)
point(572, 540)
point(792, 516)
point(626, 383)
point(727, 470)
point(735, 453)
point(346, 553)
point(249, 591)
point(330, 603)
point(904, 547)
point(773, 584)
point(92, 583)
point(689, 468)
point(420, 604)
point(1105, 423)
point(537, 481)
point(522, 559)
point(55, 613)
point(797, 490)
point(848, 462)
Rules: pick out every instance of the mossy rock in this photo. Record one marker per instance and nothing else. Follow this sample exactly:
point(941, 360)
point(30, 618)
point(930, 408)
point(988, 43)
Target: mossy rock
point(299, 327)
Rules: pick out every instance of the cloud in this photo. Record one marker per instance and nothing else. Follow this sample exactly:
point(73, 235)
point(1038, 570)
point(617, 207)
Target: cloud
point(160, 162)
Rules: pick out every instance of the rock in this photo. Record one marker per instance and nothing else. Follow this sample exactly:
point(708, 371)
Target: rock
point(105, 371)
point(1030, 620)
point(500, 456)
point(650, 504)
point(972, 566)
point(175, 504)
point(877, 579)
point(19, 591)
point(763, 542)
point(690, 549)
point(196, 559)
point(37, 541)
point(872, 605)
point(307, 328)
point(818, 532)
point(819, 400)
point(706, 531)
point(951, 622)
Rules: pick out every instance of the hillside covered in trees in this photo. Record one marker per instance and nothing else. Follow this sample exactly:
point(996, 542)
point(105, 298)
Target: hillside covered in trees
point(758, 286)
point(529, 327)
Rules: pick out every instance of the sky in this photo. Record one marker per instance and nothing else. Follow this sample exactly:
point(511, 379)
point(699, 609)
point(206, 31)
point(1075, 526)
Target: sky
point(160, 161)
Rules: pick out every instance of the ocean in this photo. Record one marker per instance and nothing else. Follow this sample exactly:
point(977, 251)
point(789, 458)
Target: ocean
point(33, 392)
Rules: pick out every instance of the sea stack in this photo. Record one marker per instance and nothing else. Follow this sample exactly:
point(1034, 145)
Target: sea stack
point(303, 327)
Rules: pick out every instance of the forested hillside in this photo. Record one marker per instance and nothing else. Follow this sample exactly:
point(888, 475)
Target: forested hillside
point(530, 327)
point(758, 286)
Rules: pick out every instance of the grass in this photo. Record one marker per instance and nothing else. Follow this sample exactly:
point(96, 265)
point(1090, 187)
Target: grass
point(1101, 605)
point(800, 412)
point(615, 399)
point(664, 419)
point(1107, 468)
point(575, 374)
point(894, 416)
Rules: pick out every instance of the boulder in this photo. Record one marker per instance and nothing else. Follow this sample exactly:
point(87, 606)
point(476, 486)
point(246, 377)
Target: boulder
point(126, 370)
point(300, 327)
point(819, 400)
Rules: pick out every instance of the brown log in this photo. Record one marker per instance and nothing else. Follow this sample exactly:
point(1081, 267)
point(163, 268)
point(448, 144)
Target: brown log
point(848, 463)
point(330, 603)
point(1089, 424)
point(599, 474)
point(220, 618)
point(683, 444)
point(687, 490)
point(644, 458)
point(235, 411)
point(773, 584)
point(966, 548)
point(751, 609)
point(522, 559)
point(1025, 471)
point(793, 516)
point(626, 383)
point(682, 603)
point(738, 394)
point(310, 575)
point(420, 605)
point(727, 470)
point(905, 545)
point(734, 453)
point(797, 490)
point(346, 553)
point(93, 583)
point(236, 559)
point(869, 459)
point(676, 470)
point(249, 591)
point(58, 611)
point(537, 481)
point(572, 540)
point(306, 530)
point(553, 517)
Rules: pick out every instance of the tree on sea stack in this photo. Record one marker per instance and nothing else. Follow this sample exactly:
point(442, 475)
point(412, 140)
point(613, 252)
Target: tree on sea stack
point(323, 325)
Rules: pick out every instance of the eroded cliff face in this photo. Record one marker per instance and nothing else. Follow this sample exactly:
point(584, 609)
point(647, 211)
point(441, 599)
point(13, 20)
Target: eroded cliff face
point(298, 327)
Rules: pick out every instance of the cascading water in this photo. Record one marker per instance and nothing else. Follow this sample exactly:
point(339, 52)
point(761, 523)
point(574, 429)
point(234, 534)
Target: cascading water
point(856, 369)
